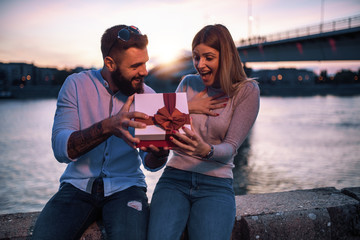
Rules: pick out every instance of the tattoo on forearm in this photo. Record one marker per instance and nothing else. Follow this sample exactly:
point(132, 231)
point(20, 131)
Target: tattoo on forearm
point(81, 142)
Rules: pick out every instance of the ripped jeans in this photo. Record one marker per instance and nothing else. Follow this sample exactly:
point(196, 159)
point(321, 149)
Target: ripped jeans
point(71, 211)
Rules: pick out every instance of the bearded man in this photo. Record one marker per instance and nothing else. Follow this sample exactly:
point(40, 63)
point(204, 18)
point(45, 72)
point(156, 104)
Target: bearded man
point(93, 133)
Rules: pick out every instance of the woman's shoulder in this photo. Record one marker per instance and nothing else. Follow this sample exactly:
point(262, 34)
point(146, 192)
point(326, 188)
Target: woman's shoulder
point(248, 89)
point(251, 86)
point(192, 81)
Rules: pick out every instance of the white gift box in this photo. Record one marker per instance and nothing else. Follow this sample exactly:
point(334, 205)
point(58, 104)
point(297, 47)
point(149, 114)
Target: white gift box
point(150, 105)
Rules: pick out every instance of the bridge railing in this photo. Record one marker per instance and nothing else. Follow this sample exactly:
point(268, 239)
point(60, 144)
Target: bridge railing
point(336, 25)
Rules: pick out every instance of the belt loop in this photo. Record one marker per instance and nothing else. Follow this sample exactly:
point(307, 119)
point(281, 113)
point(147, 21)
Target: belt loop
point(90, 185)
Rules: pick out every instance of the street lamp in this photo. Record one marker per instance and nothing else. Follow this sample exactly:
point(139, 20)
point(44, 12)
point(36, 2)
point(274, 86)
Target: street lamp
point(250, 18)
point(322, 16)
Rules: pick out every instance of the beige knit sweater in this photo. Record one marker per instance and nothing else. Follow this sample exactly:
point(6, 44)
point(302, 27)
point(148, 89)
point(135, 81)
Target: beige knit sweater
point(225, 132)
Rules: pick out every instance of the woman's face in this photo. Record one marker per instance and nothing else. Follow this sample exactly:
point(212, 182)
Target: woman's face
point(206, 62)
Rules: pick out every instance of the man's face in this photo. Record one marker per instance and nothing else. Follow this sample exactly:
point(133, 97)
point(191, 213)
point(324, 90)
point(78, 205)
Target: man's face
point(131, 71)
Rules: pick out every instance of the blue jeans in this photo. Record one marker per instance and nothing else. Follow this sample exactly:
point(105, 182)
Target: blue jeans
point(71, 211)
point(205, 204)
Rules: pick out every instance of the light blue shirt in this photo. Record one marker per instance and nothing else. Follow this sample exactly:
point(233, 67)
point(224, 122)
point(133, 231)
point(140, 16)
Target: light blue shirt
point(83, 100)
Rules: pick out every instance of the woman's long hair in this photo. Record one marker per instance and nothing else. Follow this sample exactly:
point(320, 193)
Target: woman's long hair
point(230, 72)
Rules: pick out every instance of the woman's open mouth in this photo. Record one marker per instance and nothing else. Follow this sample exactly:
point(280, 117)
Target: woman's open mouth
point(205, 76)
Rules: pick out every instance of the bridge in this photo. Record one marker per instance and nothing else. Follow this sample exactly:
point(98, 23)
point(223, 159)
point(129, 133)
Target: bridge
point(331, 41)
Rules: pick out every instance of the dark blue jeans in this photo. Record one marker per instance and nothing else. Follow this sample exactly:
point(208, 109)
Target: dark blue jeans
point(71, 211)
point(205, 204)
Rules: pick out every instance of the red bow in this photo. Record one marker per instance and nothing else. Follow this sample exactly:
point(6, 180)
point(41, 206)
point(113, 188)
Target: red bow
point(168, 117)
point(169, 121)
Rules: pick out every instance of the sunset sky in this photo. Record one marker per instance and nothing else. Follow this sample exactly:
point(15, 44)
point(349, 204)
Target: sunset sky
point(66, 34)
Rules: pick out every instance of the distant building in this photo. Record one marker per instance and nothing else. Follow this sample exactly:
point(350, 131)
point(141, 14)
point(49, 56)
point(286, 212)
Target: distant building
point(15, 74)
point(23, 74)
point(285, 76)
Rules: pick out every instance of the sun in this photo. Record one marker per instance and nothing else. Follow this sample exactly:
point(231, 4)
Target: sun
point(163, 54)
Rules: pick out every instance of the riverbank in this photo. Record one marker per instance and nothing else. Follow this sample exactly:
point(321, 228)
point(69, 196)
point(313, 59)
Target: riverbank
point(310, 90)
point(31, 92)
point(321, 214)
point(35, 92)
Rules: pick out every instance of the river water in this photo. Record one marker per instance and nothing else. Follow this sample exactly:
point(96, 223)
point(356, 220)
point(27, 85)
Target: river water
point(296, 143)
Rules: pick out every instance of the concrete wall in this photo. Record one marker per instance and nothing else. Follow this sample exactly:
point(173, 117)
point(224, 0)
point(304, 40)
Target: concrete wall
point(323, 213)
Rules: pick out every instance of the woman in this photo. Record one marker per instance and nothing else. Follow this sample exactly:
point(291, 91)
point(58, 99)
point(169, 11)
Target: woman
point(195, 189)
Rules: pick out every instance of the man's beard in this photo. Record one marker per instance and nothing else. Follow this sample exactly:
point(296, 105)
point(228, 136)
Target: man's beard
point(125, 85)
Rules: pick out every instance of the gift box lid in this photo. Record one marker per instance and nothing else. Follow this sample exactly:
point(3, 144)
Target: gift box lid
point(150, 104)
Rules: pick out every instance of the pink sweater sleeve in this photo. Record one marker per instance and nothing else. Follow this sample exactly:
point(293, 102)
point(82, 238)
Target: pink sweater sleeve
point(245, 110)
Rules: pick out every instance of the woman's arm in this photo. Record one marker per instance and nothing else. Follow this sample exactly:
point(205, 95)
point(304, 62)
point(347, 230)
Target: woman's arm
point(244, 116)
point(245, 112)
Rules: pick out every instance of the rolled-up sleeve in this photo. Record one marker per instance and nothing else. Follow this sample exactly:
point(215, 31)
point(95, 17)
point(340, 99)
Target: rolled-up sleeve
point(66, 120)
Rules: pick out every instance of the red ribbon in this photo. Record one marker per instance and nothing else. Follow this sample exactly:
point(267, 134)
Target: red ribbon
point(168, 117)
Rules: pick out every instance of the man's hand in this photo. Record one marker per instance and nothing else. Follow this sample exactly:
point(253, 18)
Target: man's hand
point(120, 123)
point(205, 105)
point(82, 141)
point(157, 152)
point(156, 157)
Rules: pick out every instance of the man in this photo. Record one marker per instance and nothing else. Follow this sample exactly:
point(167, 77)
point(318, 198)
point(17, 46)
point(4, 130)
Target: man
point(93, 133)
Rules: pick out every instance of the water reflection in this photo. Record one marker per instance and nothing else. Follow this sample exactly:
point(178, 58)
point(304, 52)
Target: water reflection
point(302, 143)
point(242, 170)
point(296, 143)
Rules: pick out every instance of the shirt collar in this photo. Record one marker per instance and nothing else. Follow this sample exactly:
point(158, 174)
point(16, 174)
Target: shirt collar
point(102, 80)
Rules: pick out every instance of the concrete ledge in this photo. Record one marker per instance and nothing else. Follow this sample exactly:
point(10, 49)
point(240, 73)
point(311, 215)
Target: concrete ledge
point(323, 213)
point(19, 226)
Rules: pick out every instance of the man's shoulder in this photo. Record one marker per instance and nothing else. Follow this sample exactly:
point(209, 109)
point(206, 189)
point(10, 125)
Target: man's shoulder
point(83, 75)
point(83, 79)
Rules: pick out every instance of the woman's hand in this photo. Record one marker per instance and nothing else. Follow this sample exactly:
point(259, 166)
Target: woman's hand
point(205, 105)
point(190, 143)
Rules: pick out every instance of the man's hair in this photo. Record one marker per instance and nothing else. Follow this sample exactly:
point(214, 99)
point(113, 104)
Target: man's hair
point(110, 41)
point(231, 72)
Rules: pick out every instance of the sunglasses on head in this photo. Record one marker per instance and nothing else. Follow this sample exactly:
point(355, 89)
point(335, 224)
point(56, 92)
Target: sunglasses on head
point(125, 35)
